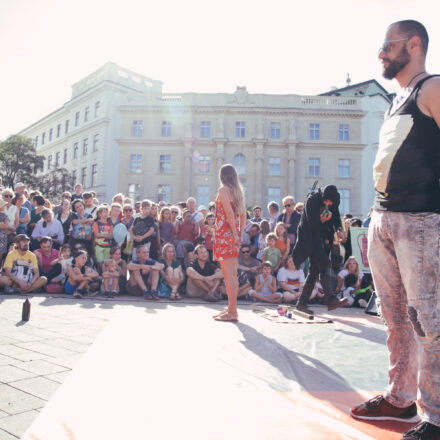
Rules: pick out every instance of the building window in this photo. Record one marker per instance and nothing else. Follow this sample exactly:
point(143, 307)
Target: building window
point(344, 168)
point(36, 141)
point(97, 108)
point(166, 128)
point(134, 191)
point(65, 156)
point(240, 164)
point(43, 138)
point(76, 119)
point(58, 130)
point(135, 163)
point(75, 150)
point(205, 129)
point(275, 130)
point(165, 163)
point(74, 177)
point(86, 114)
point(94, 174)
point(138, 128)
point(274, 166)
point(66, 126)
point(50, 134)
point(240, 129)
point(343, 132)
point(95, 142)
point(49, 162)
point(163, 193)
point(314, 131)
point(274, 194)
point(57, 159)
point(84, 176)
point(314, 167)
point(344, 206)
point(204, 162)
point(85, 146)
point(203, 195)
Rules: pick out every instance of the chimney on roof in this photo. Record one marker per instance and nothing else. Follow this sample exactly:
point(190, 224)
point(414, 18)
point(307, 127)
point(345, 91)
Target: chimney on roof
point(348, 80)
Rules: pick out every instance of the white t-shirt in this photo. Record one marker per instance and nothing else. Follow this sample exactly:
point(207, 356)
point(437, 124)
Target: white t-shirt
point(293, 278)
point(344, 272)
point(11, 212)
point(196, 217)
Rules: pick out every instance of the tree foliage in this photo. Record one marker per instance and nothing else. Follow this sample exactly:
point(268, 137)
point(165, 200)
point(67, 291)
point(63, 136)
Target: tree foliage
point(19, 161)
point(53, 183)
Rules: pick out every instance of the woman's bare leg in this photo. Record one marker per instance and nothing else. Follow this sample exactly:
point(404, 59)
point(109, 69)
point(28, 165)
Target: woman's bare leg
point(229, 268)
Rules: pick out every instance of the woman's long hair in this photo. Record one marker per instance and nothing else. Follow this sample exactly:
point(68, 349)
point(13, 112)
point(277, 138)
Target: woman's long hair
point(349, 260)
point(228, 177)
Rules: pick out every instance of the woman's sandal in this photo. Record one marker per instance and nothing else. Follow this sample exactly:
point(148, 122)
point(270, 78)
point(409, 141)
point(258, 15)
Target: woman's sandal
point(177, 296)
point(173, 296)
point(225, 317)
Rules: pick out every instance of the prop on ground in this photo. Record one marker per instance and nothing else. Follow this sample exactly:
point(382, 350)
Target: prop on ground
point(287, 315)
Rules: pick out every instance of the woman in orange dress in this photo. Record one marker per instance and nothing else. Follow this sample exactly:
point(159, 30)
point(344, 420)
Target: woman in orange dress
point(229, 227)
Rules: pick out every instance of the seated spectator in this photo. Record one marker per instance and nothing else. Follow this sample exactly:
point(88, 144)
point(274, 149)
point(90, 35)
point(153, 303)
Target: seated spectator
point(175, 214)
point(65, 196)
point(207, 232)
point(266, 286)
point(142, 230)
point(274, 213)
point(350, 266)
point(77, 195)
point(65, 217)
point(203, 277)
point(21, 268)
point(144, 273)
point(82, 233)
point(264, 230)
point(166, 226)
point(257, 215)
point(115, 214)
point(12, 213)
point(79, 275)
point(299, 207)
point(102, 235)
point(47, 258)
point(155, 239)
point(4, 229)
point(291, 218)
point(202, 209)
point(211, 207)
point(271, 253)
point(24, 214)
point(350, 280)
point(248, 265)
point(283, 242)
point(196, 217)
point(251, 238)
point(65, 259)
point(185, 233)
point(172, 272)
point(110, 278)
point(47, 227)
point(121, 266)
point(137, 209)
point(291, 280)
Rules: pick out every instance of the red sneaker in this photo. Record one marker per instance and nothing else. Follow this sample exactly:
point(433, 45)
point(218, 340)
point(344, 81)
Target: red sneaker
point(378, 408)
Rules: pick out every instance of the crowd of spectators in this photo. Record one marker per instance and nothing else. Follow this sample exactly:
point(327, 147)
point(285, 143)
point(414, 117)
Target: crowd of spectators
point(166, 251)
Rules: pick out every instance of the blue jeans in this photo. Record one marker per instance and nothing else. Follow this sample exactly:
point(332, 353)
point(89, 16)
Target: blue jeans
point(404, 256)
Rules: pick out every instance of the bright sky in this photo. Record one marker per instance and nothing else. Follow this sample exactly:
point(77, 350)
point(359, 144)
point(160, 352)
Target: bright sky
point(276, 46)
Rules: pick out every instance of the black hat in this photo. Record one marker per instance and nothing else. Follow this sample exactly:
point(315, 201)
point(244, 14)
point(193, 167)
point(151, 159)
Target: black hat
point(331, 193)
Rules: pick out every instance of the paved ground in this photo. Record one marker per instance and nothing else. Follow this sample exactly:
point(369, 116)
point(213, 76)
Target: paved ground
point(329, 364)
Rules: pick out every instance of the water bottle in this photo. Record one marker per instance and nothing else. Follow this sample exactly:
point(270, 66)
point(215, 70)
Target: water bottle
point(26, 313)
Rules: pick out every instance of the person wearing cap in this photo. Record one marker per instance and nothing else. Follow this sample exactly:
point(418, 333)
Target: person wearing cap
point(317, 226)
point(21, 268)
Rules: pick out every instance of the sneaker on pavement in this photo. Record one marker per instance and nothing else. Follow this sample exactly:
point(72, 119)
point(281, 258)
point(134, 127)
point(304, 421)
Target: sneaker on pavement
point(147, 295)
point(378, 408)
point(423, 431)
point(303, 308)
point(155, 295)
point(333, 302)
point(77, 295)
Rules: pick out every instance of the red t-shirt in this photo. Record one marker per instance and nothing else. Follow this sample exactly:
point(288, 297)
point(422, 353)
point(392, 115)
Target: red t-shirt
point(46, 266)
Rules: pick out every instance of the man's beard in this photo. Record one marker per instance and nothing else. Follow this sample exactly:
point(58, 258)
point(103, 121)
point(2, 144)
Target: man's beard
point(396, 65)
point(24, 248)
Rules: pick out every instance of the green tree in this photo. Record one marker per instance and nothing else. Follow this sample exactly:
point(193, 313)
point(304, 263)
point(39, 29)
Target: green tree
point(53, 183)
point(19, 161)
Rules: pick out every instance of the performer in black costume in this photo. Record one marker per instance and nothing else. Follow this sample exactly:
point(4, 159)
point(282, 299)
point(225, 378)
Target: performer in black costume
point(319, 221)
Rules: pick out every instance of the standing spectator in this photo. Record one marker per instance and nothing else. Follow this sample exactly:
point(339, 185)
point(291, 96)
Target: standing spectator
point(102, 235)
point(165, 226)
point(144, 273)
point(299, 207)
point(127, 220)
point(65, 217)
point(38, 203)
point(264, 230)
point(175, 214)
point(4, 228)
point(89, 207)
point(81, 228)
point(257, 215)
point(115, 214)
point(21, 268)
point(24, 214)
point(20, 188)
point(11, 211)
point(77, 194)
point(203, 277)
point(202, 209)
point(283, 242)
point(291, 218)
point(271, 253)
point(291, 280)
point(137, 208)
point(65, 196)
point(185, 233)
point(142, 230)
point(121, 266)
point(172, 272)
point(274, 213)
point(196, 217)
point(155, 240)
point(47, 258)
point(47, 227)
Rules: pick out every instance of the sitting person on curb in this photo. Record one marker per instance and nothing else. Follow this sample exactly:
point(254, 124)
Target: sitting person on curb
point(21, 267)
point(79, 275)
point(121, 266)
point(248, 265)
point(291, 280)
point(203, 277)
point(47, 258)
point(266, 286)
point(48, 227)
point(110, 275)
point(172, 273)
point(144, 271)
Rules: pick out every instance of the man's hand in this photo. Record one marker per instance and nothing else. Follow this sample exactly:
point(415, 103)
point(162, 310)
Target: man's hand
point(23, 285)
point(325, 217)
point(145, 269)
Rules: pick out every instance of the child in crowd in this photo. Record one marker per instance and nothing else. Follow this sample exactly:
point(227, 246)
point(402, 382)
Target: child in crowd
point(65, 259)
point(283, 242)
point(110, 275)
point(291, 280)
point(264, 230)
point(272, 253)
point(79, 276)
point(102, 234)
point(208, 233)
point(350, 281)
point(266, 286)
point(185, 233)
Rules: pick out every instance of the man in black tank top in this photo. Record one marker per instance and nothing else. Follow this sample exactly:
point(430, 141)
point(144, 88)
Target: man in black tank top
point(404, 235)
